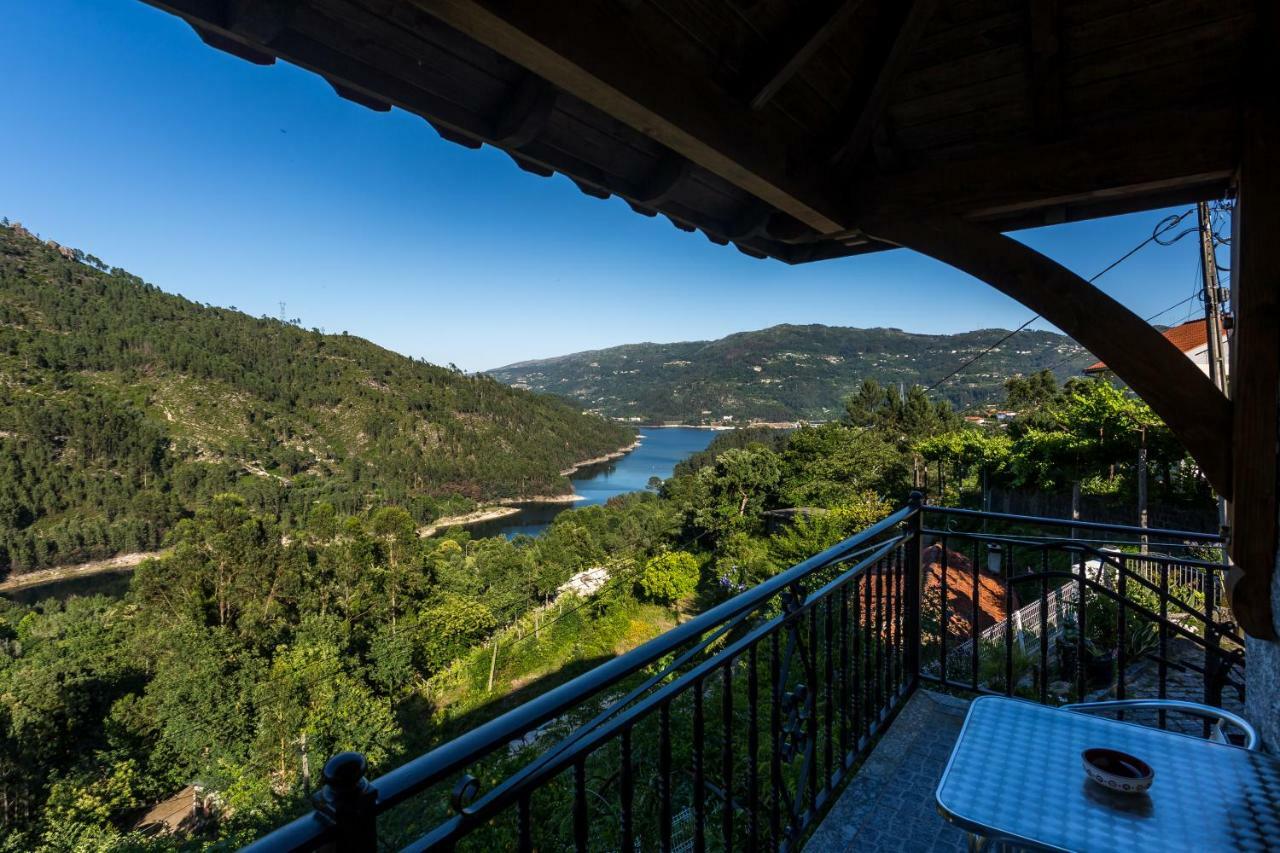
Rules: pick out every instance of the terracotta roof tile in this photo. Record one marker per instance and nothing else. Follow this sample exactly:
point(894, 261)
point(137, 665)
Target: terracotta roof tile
point(960, 590)
point(1186, 337)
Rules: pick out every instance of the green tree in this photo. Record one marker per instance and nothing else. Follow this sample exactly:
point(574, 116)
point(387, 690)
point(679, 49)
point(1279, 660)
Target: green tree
point(669, 578)
point(1028, 393)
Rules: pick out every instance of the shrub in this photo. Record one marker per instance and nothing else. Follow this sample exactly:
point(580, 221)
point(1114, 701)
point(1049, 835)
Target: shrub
point(669, 577)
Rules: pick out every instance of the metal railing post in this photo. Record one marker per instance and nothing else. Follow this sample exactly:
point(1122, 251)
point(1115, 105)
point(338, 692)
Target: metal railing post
point(913, 587)
point(347, 801)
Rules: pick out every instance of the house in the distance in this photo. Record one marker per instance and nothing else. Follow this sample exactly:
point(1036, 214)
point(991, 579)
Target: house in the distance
point(1191, 337)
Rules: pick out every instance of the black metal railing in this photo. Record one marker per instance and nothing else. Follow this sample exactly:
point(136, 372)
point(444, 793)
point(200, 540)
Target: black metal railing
point(1068, 610)
point(736, 728)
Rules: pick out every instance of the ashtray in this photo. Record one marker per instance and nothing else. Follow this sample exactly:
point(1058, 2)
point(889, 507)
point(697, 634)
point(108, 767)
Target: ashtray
point(1117, 771)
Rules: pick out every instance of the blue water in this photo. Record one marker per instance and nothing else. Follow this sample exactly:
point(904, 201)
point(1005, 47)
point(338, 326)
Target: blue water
point(660, 450)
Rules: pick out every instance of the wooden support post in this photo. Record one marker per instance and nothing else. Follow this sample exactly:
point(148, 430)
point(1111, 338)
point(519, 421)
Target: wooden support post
point(1255, 375)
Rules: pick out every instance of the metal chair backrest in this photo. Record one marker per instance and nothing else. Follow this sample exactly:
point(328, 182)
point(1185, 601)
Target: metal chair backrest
point(1218, 716)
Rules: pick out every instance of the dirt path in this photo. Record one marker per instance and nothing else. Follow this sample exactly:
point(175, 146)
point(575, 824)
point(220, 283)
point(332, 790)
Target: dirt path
point(485, 514)
point(93, 567)
point(596, 460)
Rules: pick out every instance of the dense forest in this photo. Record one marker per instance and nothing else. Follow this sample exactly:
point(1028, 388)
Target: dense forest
point(241, 659)
point(788, 373)
point(123, 409)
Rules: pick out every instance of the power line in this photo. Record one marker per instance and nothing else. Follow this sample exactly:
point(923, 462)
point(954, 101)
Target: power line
point(1162, 227)
point(981, 354)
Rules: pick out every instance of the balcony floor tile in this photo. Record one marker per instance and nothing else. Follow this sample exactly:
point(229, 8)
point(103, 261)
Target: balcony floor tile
point(889, 806)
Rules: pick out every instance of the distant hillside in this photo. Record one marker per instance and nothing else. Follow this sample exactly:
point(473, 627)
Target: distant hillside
point(123, 407)
point(786, 373)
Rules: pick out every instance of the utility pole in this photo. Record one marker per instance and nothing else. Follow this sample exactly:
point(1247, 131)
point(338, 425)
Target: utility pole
point(1213, 322)
point(1212, 299)
point(1142, 490)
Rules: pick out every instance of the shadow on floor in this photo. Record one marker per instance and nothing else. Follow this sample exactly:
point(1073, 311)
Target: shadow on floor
point(889, 805)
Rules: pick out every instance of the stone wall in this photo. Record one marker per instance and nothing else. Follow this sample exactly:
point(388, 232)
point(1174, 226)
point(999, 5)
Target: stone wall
point(1262, 678)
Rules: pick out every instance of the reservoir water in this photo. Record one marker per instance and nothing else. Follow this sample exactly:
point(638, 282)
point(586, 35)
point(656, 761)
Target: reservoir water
point(660, 450)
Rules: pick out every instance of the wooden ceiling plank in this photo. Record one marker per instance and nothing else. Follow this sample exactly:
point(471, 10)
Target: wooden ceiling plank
point(812, 26)
point(623, 71)
point(1046, 52)
point(1097, 163)
point(904, 23)
point(1160, 20)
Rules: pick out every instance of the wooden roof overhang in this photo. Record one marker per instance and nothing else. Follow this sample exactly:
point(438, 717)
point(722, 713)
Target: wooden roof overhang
point(804, 131)
point(781, 126)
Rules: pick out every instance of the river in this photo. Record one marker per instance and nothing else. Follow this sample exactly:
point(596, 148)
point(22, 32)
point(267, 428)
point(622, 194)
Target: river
point(660, 450)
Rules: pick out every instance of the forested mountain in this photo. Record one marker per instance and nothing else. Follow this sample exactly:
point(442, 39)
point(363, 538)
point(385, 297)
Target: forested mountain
point(123, 408)
point(787, 373)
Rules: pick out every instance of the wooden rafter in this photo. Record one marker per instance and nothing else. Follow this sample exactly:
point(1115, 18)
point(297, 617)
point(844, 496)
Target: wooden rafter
point(1105, 168)
point(588, 51)
point(900, 24)
point(1197, 412)
point(812, 25)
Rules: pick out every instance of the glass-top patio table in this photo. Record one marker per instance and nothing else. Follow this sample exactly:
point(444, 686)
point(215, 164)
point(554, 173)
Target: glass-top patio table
point(1016, 776)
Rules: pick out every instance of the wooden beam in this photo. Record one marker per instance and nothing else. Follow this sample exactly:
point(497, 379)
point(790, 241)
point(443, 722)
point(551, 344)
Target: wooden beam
point(808, 30)
point(899, 28)
point(670, 172)
point(1255, 375)
point(630, 72)
point(1047, 62)
point(751, 221)
point(526, 113)
point(1196, 411)
point(259, 20)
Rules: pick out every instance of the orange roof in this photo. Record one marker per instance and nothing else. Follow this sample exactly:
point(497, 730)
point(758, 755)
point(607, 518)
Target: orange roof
point(960, 591)
point(1186, 337)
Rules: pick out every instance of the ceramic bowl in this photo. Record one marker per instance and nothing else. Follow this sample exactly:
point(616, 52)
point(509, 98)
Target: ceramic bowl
point(1117, 771)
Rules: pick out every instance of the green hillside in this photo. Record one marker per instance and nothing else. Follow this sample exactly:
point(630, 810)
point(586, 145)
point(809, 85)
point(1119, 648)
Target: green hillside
point(122, 408)
point(787, 373)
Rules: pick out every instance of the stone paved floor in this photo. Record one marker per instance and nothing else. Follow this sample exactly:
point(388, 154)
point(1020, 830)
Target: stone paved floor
point(889, 806)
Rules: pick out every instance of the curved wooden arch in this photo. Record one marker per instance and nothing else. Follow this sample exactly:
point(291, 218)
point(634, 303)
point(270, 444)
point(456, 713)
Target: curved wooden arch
point(1196, 411)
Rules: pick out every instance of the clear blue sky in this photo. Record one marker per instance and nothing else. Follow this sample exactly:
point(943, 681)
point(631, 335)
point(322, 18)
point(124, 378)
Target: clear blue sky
point(239, 185)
